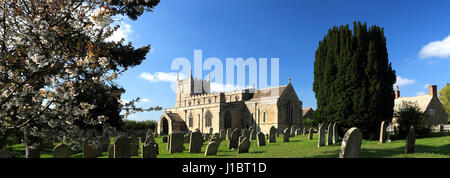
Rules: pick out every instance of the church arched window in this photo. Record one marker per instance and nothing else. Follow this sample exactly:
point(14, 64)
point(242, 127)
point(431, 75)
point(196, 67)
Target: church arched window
point(208, 121)
point(191, 120)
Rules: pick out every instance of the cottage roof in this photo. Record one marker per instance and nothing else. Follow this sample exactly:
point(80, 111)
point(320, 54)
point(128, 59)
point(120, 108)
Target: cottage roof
point(306, 110)
point(273, 92)
point(421, 102)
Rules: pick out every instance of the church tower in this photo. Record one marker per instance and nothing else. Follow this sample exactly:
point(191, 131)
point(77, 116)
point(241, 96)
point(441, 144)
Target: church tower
point(189, 87)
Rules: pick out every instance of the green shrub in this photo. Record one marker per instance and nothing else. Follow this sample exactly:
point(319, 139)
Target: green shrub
point(308, 123)
point(409, 114)
point(130, 125)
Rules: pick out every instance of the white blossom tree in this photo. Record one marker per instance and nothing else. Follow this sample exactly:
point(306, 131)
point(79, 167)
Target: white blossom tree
point(52, 52)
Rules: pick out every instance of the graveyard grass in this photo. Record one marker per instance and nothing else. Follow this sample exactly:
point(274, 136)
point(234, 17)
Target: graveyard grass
point(437, 146)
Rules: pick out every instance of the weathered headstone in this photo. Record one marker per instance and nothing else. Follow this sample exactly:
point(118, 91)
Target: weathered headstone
point(134, 146)
point(215, 138)
point(212, 147)
point(244, 145)
point(253, 134)
point(149, 151)
point(330, 134)
point(89, 151)
point(261, 139)
point(286, 135)
point(176, 143)
point(311, 134)
point(233, 142)
point(223, 134)
point(298, 132)
point(32, 152)
point(304, 131)
point(410, 141)
point(272, 135)
point(104, 143)
point(292, 131)
point(211, 131)
point(382, 132)
point(5, 154)
point(111, 151)
point(122, 147)
point(351, 144)
point(195, 143)
point(229, 132)
point(246, 133)
point(61, 151)
point(321, 139)
point(335, 134)
point(164, 139)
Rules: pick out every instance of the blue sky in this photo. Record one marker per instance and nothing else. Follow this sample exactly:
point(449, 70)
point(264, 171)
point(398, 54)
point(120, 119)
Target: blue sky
point(290, 30)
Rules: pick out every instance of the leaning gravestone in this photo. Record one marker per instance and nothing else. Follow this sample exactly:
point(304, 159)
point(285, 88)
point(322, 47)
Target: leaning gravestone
point(330, 134)
point(253, 134)
point(410, 141)
point(134, 146)
point(351, 144)
point(195, 143)
point(223, 134)
point(292, 131)
point(335, 134)
point(229, 132)
point(212, 147)
point(382, 132)
point(261, 139)
point(272, 135)
point(61, 151)
point(111, 151)
point(5, 154)
point(122, 147)
point(246, 133)
point(311, 134)
point(149, 151)
point(321, 140)
point(233, 142)
point(89, 151)
point(286, 135)
point(215, 138)
point(244, 145)
point(176, 142)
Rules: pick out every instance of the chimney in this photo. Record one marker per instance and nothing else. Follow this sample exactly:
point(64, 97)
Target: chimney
point(397, 93)
point(433, 90)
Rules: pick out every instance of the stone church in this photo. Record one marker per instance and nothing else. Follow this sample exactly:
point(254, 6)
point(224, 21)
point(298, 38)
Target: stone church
point(197, 108)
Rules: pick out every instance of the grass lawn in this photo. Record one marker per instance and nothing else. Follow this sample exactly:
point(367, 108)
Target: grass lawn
point(300, 147)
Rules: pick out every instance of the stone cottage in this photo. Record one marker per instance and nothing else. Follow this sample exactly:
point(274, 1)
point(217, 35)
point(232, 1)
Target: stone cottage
point(429, 104)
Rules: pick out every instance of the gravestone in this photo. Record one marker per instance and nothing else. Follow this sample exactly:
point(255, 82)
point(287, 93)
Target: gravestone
point(311, 134)
point(335, 134)
point(351, 144)
point(304, 131)
point(246, 133)
point(272, 135)
point(382, 132)
point(233, 142)
point(253, 134)
point(244, 145)
point(149, 151)
point(89, 151)
point(261, 139)
point(292, 131)
point(111, 151)
point(286, 135)
point(164, 139)
point(215, 138)
point(330, 134)
point(61, 151)
point(212, 147)
point(32, 152)
point(176, 141)
point(195, 143)
point(5, 154)
point(134, 146)
point(104, 143)
point(321, 139)
point(122, 147)
point(187, 138)
point(298, 132)
point(149, 140)
point(223, 134)
point(211, 131)
point(229, 132)
point(410, 141)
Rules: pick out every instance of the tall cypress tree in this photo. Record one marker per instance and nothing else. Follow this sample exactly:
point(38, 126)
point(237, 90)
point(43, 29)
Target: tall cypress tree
point(353, 79)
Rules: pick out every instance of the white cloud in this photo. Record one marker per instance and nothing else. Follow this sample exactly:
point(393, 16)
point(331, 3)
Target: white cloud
point(159, 77)
point(439, 49)
point(404, 81)
point(145, 100)
point(420, 93)
point(427, 86)
point(123, 32)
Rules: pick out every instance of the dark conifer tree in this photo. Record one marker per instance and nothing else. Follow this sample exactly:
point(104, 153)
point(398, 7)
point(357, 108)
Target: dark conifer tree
point(353, 79)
